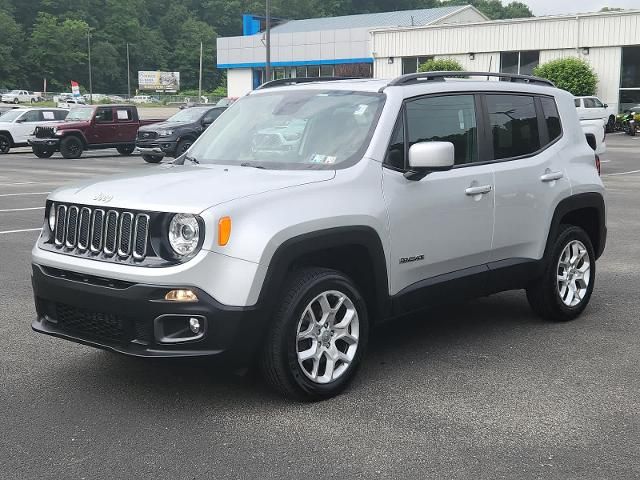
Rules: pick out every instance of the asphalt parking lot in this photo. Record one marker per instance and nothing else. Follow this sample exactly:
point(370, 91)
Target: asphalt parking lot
point(482, 390)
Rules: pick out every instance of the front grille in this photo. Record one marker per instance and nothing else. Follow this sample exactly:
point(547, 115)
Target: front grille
point(98, 325)
point(81, 229)
point(44, 132)
point(147, 135)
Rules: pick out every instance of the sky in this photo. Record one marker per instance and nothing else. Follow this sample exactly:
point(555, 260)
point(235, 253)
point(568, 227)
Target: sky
point(552, 7)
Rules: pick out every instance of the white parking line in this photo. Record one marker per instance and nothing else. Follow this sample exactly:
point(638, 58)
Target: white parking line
point(20, 231)
point(621, 173)
point(18, 194)
point(20, 209)
point(15, 184)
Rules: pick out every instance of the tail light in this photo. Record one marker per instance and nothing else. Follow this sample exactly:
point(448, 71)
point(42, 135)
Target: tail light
point(598, 163)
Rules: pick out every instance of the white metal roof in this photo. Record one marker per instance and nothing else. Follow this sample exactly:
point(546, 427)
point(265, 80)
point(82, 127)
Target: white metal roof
point(403, 18)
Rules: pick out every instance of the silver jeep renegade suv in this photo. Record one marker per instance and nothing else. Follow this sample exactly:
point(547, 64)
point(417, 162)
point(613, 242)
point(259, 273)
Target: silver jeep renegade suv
point(313, 210)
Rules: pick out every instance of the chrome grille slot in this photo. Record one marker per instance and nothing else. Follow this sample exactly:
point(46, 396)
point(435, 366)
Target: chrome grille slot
point(111, 232)
point(112, 235)
point(61, 217)
point(124, 237)
point(141, 235)
point(72, 227)
point(84, 228)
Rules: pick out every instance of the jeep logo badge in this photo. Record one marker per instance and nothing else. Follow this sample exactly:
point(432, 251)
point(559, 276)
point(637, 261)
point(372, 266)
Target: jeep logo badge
point(103, 197)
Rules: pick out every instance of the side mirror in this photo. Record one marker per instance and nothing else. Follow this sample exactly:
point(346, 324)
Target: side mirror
point(21, 120)
point(426, 157)
point(206, 123)
point(606, 105)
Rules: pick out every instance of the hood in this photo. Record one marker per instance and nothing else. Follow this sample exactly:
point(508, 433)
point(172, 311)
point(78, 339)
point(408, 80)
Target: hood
point(182, 188)
point(164, 126)
point(75, 124)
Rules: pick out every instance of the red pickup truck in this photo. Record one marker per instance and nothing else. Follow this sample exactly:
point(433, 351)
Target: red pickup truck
point(90, 128)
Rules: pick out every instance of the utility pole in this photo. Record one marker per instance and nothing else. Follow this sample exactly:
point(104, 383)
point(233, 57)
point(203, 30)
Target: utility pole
point(200, 78)
point(128, 74)
point(90, 80)
point(268, 43)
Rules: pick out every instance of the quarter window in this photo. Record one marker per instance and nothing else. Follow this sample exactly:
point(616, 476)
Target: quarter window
point(450, 118)
point(395, 154)
point(551, 118)
point(514, 125)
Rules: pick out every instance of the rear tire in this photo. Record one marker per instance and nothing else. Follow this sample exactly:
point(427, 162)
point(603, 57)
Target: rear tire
point(564, 289)
point(5, 144)
point(318, 336)
point(71, 147)
point(41, 152)
point(611, 125)
point(126, 150)
point(152, 158)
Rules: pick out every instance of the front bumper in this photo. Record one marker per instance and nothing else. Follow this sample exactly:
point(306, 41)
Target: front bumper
point(123, 317)
point(44, 142)
point(157, 147)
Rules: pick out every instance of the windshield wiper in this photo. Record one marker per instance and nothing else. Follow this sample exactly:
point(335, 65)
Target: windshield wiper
point(252, 165)
point(193, 160)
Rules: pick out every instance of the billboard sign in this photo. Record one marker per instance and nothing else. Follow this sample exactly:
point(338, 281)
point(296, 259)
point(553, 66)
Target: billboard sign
point(159, 81)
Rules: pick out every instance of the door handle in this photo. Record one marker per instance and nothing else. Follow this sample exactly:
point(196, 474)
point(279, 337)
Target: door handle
point(472, 191)
point(551, 176)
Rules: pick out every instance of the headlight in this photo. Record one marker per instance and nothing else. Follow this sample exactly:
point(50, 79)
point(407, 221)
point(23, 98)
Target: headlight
point(184, 233)
point(52, 217)
point(165, 133)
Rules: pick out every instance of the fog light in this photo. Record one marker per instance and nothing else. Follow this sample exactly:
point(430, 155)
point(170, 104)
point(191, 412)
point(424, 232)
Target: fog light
point(181, 296)
point(194, 325)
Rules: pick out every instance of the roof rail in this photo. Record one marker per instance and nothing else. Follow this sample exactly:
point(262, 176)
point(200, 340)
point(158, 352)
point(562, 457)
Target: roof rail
point(294, 81)
point(440, 76)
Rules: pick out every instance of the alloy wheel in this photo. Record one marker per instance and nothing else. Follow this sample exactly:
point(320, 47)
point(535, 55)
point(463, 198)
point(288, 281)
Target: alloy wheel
point(327, 337)
point(573, 273)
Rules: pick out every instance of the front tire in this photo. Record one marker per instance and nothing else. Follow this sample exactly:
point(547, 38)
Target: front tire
point(5, 144)
point(152, 158)
point(318, 336)
point(41, 152)
point(126, 149)
point(564, 290)
point(183, 146)
point(71, 147)
point(16, 101)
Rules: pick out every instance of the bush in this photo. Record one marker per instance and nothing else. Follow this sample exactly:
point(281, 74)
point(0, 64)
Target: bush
point(571, 74)
point(441, 65)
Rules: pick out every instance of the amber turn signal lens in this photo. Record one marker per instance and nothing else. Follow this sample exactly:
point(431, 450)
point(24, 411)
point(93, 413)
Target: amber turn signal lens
point(181, 296)
point(224, 231)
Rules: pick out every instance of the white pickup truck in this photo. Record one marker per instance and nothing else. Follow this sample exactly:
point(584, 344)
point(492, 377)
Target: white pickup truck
point(592, 108)
point(17, 125)
point(19, 96)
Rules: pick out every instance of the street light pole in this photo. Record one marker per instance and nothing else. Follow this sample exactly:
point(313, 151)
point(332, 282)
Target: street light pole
point(90, 79)
point(268, 42)
point(200, 77)
point(128, 74)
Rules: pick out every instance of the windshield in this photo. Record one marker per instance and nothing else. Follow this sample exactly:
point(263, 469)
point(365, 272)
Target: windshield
point(292, 130)
point(79, 114)
point(188, 115)
point(10, 115)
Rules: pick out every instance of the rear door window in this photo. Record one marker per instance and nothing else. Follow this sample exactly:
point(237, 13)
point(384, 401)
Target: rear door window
point(551, 118)
point(514, 125)
point(124, 114)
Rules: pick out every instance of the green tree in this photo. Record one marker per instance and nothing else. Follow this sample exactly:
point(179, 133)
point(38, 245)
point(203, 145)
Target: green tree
point(571, 74)
point(57, 51)
point(10, 52)
point(441, 65)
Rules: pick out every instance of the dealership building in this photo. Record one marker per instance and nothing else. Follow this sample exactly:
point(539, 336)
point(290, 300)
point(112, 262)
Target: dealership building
point(386, 45)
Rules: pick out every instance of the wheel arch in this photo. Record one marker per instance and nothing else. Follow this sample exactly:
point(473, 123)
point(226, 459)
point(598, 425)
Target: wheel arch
point(8, 134)
point(356, 251)
point(584, 210)
point(78, 134)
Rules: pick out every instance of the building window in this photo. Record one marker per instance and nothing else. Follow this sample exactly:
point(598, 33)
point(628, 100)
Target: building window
point(301, 71)
point(326, 70)
point(521, 63)
point(411, 64)
point(313, 71)
point(630, 78)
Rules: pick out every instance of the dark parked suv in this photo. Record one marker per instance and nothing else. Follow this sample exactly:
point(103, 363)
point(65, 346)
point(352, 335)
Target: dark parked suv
point(173, 137)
